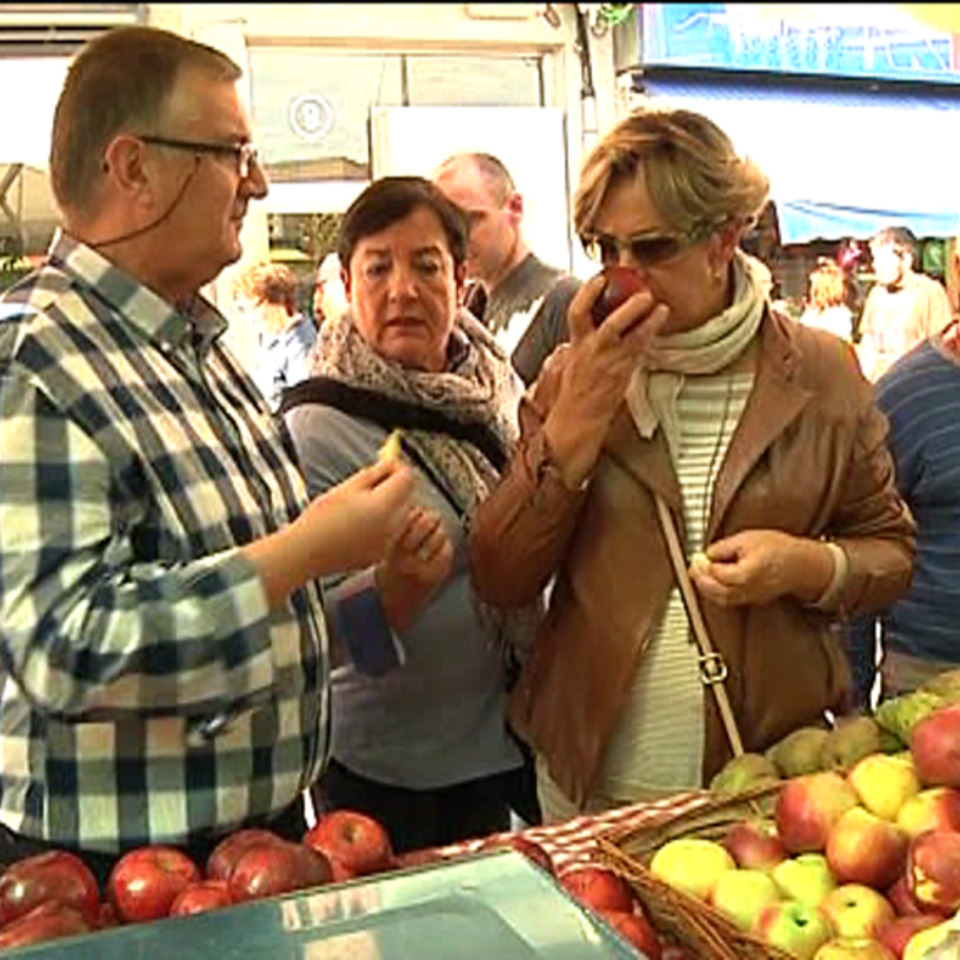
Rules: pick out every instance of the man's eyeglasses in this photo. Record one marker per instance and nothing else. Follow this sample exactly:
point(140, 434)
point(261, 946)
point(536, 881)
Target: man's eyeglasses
point(646, 249)
point(245, 154)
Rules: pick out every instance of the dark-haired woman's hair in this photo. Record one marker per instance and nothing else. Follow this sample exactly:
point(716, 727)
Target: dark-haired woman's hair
point(389, 200)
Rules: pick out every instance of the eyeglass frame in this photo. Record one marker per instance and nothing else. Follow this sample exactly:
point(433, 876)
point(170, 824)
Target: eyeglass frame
point(682, 239)
point(245, 154)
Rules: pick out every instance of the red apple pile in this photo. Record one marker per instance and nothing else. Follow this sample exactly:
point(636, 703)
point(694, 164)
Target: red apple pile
point(611, 896)
point(862, 862)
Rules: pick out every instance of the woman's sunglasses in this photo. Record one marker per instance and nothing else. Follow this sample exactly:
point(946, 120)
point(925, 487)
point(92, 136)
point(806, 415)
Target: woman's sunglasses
point(646, 249)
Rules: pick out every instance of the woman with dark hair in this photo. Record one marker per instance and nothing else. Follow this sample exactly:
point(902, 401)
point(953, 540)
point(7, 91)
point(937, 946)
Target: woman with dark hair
point(419, 734)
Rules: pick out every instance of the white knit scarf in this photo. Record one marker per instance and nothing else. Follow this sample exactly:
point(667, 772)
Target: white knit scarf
point(655, 385)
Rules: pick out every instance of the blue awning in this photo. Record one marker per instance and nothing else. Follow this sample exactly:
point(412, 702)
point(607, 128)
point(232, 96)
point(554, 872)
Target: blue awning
point(842, 163)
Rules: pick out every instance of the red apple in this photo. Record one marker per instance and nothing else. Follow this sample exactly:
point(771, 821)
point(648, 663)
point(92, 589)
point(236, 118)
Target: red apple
point(58, 876)
point(864, 848)
point(621, 284)
point(226, 853)
point(636, 930)
point(598, 887)
point(355, 844)
point(270, 869)
point(857, 911)
point(897, 933)
point(807, 808)
point(515, 841)
point(754, 845)
point(933, 871)
point(902, 899)
point(200, 897)
point(935, 747)
point(48, 921)
point(144, 882)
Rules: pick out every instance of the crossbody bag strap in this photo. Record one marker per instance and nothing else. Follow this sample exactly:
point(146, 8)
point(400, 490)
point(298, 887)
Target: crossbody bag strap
point(713, 669)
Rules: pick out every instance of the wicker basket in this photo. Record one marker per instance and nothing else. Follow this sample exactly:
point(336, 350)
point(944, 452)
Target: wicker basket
point(706, 932)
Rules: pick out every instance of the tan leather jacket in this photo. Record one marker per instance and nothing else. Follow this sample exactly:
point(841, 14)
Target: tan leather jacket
point(808, 457)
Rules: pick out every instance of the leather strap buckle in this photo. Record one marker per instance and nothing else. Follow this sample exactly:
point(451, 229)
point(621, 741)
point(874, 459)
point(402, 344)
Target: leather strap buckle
point(713, 668)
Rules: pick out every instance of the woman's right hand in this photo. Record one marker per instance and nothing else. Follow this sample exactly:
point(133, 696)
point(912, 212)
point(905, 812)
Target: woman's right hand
point(416, 563)
point(600, 363)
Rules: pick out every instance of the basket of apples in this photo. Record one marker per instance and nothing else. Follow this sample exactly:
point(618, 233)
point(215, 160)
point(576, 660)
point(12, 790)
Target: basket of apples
point(856, 861)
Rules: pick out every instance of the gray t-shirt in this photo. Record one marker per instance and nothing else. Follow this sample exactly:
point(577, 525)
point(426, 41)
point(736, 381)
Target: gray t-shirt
point(528, 313)
point(437, 720)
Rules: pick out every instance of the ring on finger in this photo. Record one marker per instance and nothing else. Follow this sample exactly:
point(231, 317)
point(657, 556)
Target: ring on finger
point(424, 553)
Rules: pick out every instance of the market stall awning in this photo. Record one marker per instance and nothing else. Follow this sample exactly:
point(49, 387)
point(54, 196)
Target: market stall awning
point(841, 162)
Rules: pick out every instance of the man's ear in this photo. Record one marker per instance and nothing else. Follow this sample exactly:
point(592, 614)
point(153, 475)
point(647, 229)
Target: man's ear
point(124, 166)
point(515, 207)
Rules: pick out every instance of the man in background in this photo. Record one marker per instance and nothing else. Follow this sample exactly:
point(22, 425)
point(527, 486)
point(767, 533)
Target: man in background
point(522, 300)
point(903, 307)
point(920, 396)
point(285, 337)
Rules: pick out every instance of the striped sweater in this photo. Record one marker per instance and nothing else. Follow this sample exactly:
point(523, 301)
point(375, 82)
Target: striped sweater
point(657, 746)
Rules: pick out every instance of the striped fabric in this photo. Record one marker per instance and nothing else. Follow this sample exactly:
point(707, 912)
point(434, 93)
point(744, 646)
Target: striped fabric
point(920, 395)
point(147, 693)
point(657, 747)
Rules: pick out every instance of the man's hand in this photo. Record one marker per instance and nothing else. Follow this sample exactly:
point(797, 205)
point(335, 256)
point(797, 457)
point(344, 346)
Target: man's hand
point(759, 566)
point(601, 361)
point(415, 565)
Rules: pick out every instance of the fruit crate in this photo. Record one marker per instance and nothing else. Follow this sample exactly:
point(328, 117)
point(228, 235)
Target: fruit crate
point(698, 927)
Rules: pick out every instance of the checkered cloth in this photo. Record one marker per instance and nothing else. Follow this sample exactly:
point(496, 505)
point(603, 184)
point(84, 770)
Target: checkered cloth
point(574, 842)
point(147, 692)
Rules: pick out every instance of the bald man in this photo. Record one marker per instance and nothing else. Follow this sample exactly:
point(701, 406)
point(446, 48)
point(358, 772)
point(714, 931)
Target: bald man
point(519, 297)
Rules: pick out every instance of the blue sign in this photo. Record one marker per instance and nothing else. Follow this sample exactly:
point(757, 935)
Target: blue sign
point(819, 39)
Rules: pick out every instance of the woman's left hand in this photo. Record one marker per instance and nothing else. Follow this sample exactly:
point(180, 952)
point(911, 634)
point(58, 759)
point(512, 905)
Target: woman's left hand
point(759, 566)
point(416, 563)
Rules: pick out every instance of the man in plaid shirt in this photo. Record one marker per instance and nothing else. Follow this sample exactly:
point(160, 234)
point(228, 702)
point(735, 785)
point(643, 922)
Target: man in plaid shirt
point(163, 657)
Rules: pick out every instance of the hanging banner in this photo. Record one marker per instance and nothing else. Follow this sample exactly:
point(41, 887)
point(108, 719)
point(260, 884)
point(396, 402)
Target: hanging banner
point(877, 41)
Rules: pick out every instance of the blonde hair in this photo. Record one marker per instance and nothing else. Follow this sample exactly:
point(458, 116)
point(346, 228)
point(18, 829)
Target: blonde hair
point(687, 164)
point(827, 287)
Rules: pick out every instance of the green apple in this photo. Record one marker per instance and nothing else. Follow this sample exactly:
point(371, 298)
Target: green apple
point(742, 894)
point(806, 878)
point(692, 865)
point(795, 927)
point(857, 911)
point(884, 783)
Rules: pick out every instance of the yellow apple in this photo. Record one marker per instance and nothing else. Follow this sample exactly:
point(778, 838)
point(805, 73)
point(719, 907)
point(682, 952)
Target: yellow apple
point(937, 808)
point(742, 894)
point(857, 911)
point(806, 878)
point(859, 948)
point(884, 783)
point(692, 865)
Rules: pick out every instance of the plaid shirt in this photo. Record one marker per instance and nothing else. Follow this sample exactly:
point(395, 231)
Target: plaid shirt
point(147, 693)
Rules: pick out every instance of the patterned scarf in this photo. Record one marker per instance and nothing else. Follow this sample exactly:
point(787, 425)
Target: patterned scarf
point(479, 386)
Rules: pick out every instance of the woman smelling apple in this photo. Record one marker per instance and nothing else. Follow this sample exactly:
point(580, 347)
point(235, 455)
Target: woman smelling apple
point(760, 436)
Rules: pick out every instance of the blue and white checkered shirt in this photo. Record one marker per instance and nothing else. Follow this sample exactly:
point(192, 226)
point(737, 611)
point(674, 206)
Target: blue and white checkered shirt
point(147, 692)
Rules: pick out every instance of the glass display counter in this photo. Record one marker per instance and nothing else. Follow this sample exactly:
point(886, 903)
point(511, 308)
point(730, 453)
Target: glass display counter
point(489, 906)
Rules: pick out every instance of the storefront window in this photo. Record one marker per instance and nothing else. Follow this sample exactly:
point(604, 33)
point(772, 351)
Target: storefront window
point(312, 109)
